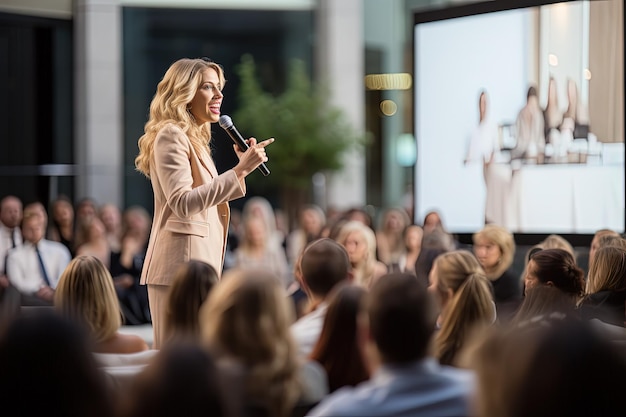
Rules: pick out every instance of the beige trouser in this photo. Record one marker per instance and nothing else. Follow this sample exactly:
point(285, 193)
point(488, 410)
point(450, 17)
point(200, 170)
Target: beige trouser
point(157, 297)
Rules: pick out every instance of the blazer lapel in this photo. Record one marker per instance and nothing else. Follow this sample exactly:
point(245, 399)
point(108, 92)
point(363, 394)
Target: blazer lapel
point(207, 163)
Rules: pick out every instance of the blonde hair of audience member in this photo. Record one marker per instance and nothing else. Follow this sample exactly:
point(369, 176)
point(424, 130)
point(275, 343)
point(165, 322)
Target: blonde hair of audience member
point(596, 237)
point(558, 242)
point(255, 250)
point(390, 237)
point(259, 207)
point(607, 270)
point(246, 319)
point(85, 293)
point(465, 299)
point(192, 285)
point(493, 237)
point(360, 243)
point(544, 370)
point(92, 233)
point(36, 209)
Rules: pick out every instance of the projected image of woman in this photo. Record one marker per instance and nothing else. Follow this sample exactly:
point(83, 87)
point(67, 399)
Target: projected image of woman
point(484, 148)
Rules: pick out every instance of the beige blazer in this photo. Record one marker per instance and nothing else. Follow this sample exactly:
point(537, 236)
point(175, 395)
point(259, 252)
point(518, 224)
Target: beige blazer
point(191, 212)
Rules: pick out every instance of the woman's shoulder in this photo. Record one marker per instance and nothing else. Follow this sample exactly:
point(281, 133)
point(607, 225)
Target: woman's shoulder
point(122, 343)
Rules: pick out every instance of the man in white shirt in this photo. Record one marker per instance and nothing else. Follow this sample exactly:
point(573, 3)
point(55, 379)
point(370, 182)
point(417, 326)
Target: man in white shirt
point(34, 268)
point(10, 235)
point(324, 264)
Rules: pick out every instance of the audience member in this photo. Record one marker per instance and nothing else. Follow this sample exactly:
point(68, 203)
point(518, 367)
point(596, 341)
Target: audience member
point(337, 348)
point(555, 367)
point(127, 264)
point(310, 225)
point(398, 320)
point(555, 267)
point(182, 381)
point(432, 222)
point(95, 243)
point(465, 300)
point(433, 244)
point(10, 237)
point(256, 252)
point(46, 369)
point(62, 225)
point(412, 237)
point(595, 241)
point(11, 212)
point(324, 265)
point(390, 237)
point(245, 324)
point(495, 248)
point(86, 210)
point(34, 268)
point(85, 294)
point(111, 218)
point(193, 282)
point(260, 208)
point(544, 301)
point(605, 295)
point(360, 244)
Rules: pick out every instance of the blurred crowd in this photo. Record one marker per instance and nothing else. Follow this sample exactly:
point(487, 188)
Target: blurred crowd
point(345, 313)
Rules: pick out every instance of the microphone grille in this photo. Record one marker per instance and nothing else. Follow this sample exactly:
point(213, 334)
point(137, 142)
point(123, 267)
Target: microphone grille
point(225, 121)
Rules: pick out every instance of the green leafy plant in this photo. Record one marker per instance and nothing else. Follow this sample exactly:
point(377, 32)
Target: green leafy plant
point(311, 135)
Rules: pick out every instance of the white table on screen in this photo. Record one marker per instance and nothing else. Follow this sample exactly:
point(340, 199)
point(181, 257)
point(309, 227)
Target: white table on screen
point(565, 198)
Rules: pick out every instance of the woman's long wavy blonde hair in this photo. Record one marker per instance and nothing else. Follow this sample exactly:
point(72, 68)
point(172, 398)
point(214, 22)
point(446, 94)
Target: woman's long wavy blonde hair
point(471, 306)
point(169, 105)
point(247, 318)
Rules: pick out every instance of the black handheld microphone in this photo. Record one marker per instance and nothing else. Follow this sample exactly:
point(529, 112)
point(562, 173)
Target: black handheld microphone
point(227, 124)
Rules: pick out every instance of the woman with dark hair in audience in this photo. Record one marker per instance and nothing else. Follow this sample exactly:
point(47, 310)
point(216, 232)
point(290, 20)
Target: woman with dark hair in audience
point(605, 297)
point(337, 349)
point(495, 248)
point(193, 282)
point(245, 324)
point(465, 301)
point(62, 224)
point(85, 294)
point(555, 267)
point(127, 263)
point(47, 369)
point(412, 237)
point(182, 381)
point(390, 237)
point(433, 244)
point(543, 301)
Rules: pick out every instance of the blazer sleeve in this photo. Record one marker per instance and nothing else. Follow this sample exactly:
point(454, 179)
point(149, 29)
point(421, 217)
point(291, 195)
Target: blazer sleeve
point(172, 166)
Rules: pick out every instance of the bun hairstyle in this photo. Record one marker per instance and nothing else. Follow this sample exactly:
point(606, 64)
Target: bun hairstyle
point(559, 267)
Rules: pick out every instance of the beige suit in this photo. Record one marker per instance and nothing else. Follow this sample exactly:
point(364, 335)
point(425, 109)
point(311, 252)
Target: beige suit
point(191, 215)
